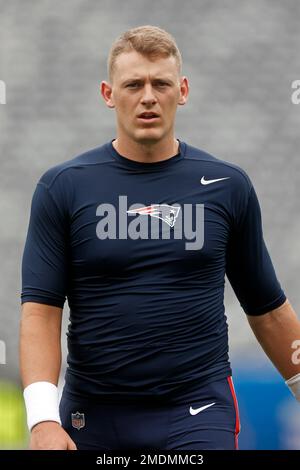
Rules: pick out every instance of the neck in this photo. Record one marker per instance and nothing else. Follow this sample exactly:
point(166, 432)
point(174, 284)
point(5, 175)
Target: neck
point(146, 152)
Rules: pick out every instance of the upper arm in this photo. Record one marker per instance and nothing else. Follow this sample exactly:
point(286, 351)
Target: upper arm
point(248, 264)
point(45, 256)
point(33, 311)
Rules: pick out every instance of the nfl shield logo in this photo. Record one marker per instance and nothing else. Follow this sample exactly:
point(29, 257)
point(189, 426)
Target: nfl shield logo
point(78, 420)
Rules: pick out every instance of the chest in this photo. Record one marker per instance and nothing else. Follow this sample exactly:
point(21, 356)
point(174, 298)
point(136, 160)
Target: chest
point(128, 228)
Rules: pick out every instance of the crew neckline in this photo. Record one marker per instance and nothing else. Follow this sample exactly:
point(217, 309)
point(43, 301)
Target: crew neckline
point(147, 165)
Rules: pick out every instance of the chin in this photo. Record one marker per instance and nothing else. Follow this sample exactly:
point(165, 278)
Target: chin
point(148, 136)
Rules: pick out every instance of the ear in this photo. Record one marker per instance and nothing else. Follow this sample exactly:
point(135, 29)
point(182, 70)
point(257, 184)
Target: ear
point(106, 92)
point(184, 90)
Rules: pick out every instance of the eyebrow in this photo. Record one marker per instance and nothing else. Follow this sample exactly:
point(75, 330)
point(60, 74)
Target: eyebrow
point(141, 80)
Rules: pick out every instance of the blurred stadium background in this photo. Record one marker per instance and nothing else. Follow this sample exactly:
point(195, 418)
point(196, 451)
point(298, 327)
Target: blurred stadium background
point(240, 58)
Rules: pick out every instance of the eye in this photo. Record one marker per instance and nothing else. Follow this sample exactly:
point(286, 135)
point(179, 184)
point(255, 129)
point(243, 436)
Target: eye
point(132, 85)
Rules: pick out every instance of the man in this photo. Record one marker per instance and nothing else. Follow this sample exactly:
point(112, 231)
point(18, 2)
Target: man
point(138, 235)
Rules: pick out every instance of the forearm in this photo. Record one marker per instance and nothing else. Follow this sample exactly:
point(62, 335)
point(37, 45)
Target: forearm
point(278, 332)
point(40, 343)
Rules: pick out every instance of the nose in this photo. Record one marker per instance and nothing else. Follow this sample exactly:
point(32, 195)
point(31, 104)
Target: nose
point(148, 97)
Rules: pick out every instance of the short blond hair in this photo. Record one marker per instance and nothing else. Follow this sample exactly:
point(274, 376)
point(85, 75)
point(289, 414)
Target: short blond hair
point(150, 41)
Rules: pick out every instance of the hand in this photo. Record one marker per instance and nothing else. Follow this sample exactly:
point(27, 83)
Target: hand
point(49, 435)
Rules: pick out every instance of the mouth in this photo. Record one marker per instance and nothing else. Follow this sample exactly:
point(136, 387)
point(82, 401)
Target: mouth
point(148, 117)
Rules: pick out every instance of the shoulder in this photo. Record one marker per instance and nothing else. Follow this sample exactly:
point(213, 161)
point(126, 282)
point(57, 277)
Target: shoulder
point(62, 172)
point(215, 167)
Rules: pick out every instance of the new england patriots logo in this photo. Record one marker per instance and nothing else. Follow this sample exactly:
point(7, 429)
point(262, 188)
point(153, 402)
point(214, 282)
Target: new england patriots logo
point(164, 212)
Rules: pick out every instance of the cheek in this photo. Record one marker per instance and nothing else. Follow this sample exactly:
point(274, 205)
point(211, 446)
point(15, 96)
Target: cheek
point(171, 103)
point(128, 108)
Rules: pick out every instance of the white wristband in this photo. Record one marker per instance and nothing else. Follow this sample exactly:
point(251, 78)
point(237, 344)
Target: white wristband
point(41, 401)
point(294, 385)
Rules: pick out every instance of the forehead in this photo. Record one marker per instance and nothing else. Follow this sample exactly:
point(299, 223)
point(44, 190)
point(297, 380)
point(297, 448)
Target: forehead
point(133, 64)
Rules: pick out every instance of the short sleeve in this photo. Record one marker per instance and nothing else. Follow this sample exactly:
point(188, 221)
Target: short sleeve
point(45, 260)
point(248, 264)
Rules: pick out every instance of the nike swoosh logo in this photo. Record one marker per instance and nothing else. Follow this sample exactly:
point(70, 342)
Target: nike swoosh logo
point(204, 181)
point(197, 410)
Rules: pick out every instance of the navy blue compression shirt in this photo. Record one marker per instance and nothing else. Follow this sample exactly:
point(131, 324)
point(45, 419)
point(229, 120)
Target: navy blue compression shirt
point(140, 251)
